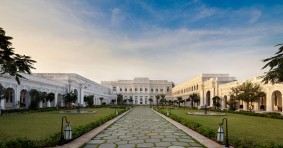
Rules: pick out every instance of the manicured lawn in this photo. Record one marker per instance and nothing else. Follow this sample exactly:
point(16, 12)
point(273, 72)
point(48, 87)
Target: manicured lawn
point(258, 129)
point(42, 125)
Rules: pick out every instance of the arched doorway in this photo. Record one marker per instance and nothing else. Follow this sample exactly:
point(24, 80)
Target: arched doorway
point(24, 99)
point(208, 98)
point(10, 98)
point(51, 100)
point(44, 101)
point(276, 101)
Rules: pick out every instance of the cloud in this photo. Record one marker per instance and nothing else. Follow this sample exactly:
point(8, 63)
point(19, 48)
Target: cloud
point(62, 39)
point(255, 15)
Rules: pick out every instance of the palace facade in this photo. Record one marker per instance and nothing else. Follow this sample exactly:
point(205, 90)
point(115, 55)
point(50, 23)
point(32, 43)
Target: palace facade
point(139, 89)
point(210, 85)
point(56, 83)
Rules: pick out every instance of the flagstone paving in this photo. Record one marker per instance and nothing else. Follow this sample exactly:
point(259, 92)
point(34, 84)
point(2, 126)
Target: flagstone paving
point(142, 128)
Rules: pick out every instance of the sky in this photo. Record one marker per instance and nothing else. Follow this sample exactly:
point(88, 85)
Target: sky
point(174, 40)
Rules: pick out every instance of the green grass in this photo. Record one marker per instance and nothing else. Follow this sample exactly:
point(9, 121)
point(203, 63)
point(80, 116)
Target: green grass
point(44, 124)
point(258, 129)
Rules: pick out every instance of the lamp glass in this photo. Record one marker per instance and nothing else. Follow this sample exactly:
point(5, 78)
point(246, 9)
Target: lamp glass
point(220, 134)
point(68, 132)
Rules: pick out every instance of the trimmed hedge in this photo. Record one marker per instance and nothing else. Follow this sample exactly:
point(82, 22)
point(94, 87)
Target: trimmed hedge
point(274, 115)
point(24, 111)
point(55, 138)
point(240, 143)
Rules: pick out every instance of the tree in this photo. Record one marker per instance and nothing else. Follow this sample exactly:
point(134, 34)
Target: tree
point(150, 101)
point(179, 100)
point(195, 98)
point(11, 63)
point(50, 97)
point(34, 98)
point(216, 102)
point(162, 100)
point(113, 101)
point(70, 98)
point(101, 99)
point(275, 73)
point(232, 102)
point(248, 92)
point(89, 100)
point(119, 99)
point(157, 98)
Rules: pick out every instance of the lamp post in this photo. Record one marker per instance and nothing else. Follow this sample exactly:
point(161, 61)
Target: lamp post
point(220, 133)
point(116, 111)
point(168, 113)
point(67, 131)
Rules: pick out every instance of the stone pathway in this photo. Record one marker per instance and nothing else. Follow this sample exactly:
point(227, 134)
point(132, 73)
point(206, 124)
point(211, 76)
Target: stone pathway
point(142, 128)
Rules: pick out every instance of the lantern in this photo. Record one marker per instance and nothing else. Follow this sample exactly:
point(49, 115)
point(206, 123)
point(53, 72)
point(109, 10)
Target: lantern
point(116, 111)
point(220, 134)
point(68, 132)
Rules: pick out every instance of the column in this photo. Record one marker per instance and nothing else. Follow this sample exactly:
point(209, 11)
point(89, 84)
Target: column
point(269, 102)
point(2, 104)
point(17, 97)
point(55, 99)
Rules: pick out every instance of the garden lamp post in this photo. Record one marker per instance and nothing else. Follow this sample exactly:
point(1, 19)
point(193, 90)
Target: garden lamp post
point(67, 131)
point(168, 112)
point(116, 111)
point(220, 133)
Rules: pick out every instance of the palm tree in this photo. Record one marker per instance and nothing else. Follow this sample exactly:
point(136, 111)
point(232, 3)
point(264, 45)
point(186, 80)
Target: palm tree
point(179, 100)
point(195, 98)
point(69, 98)
point(157, 98)
point(275, 73)
point(101, 99)
point(119, 99)
point(89, 100)
point(11, 63)
point(50, 97)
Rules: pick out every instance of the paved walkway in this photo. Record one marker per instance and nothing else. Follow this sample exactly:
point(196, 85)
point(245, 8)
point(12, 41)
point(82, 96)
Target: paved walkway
point(142, 128)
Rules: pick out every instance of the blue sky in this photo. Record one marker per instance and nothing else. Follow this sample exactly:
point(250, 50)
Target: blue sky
point(160, 39)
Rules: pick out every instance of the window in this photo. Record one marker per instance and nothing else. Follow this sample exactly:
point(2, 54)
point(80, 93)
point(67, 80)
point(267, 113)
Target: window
point(136, 89)
point(130, 89)
point(145, 89)
point(120, 89)
point(167, 89)
point(114, 88)
point(125, 89)
point(151, 90)
point(161, 90)
point(156, 90)
point(140, 89)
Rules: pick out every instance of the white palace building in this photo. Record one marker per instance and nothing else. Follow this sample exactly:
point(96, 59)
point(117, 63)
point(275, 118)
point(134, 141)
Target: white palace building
point(139, 89)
